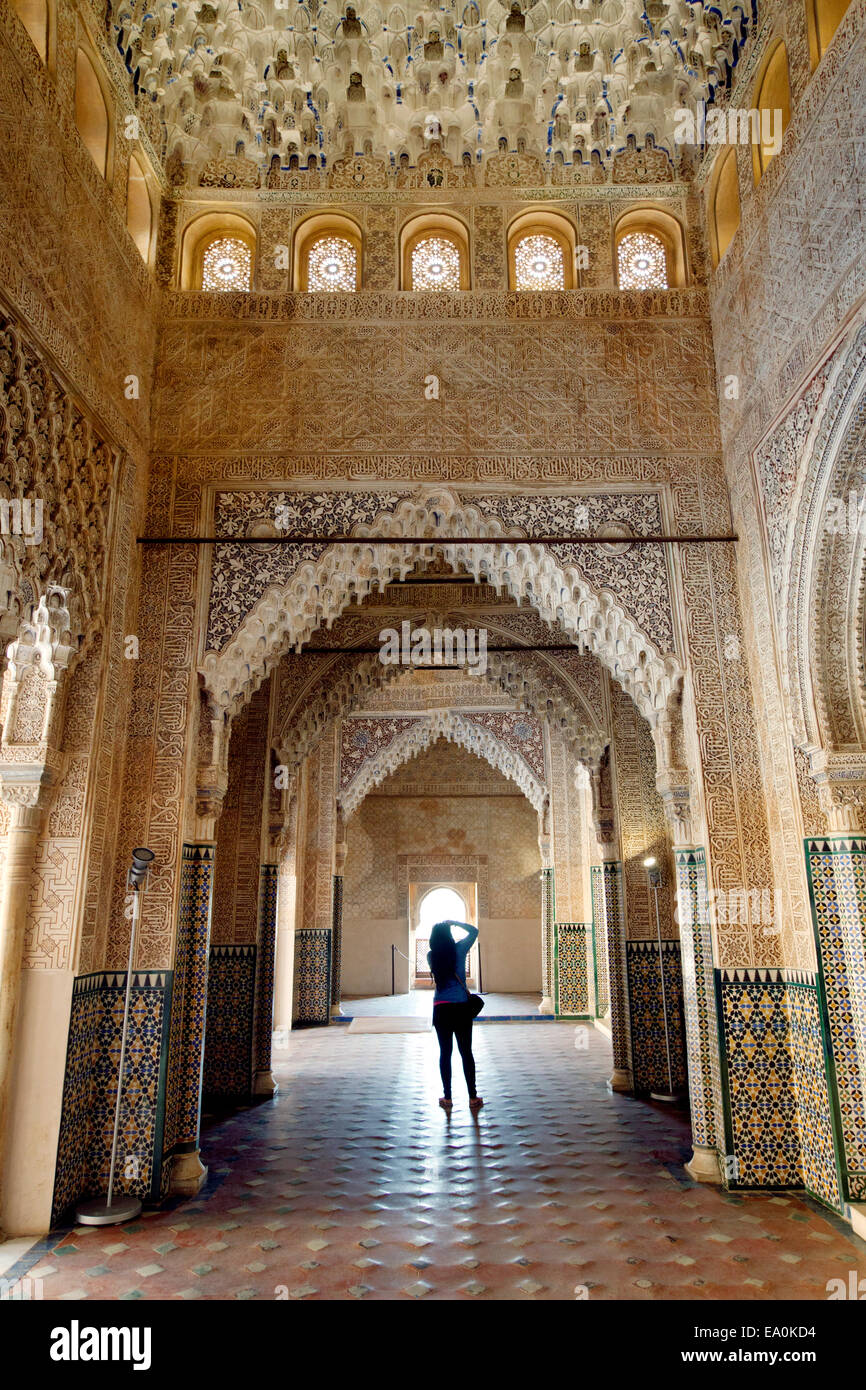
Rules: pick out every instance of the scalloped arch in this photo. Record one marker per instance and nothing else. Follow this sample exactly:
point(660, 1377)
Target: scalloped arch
point(423, 734)
point(340, 691)
point(287, 615)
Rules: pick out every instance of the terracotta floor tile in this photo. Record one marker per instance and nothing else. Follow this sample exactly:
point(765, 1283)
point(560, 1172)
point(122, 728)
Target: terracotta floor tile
point(352, 1184)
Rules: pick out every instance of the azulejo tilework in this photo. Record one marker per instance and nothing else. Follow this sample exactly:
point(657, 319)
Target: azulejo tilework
point(820, 1172)
point(264, 1012)
point(189, 1001)
point(599, 936)
point(762, 1117)
point(696, 950)
point(228, 1068)
point(614, 924)
point(647, 1014)
point(337, 939)
point(313, 973)
point(573, 961)
point(837, 883)
point(93, 1055)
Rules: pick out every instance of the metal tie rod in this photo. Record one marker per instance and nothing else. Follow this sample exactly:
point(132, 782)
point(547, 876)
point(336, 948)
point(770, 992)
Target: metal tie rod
point(427, 662)
point(433, 540)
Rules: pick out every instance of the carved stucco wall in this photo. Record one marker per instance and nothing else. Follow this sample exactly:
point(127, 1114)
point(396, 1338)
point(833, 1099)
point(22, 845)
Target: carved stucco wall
point(800, 227)
point(67, 261)
point(239, 829)
point(640, 821)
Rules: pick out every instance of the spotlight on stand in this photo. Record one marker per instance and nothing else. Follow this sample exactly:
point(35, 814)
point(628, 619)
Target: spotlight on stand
point(110, 1210)
point(141, 862)
point(654, 874)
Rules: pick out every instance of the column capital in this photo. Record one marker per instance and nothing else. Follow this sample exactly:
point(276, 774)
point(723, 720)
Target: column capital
point(841, 782)
point(29, 775)
point(210, 791)
point(674, 787)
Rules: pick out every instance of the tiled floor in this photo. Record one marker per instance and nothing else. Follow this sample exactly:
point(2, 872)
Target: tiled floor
point(352, 1184)
point(420, 1002)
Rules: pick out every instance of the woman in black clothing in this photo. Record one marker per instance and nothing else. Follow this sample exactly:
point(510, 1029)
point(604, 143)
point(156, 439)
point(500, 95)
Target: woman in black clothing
point(452, 1012)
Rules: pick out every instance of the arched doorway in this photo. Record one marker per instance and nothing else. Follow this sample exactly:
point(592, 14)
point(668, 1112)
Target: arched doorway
point(440, 904)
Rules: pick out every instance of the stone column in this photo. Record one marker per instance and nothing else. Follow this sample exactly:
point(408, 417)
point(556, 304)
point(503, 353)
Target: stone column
point(31, 766)
point(189, 998)
point(699, 1000)
point(614, 923)
point(263, 1078)
point(28, 802)
point(313, 949)
point(548, 912)
point(289, 853)
point(611, 902)
point(337, 915)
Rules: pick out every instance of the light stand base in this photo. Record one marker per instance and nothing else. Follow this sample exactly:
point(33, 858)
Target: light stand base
point(670, 1097)
point(99, 1213)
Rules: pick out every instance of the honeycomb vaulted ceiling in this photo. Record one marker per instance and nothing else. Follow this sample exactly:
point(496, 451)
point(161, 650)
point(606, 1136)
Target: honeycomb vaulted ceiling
point(278, 77)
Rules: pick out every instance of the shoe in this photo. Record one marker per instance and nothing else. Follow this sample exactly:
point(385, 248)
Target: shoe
point(445, 1103)
point(476, 1103)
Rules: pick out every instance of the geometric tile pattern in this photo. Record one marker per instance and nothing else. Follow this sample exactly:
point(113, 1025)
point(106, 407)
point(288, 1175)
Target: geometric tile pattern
point(614, 928)
point(548, 930)
point(90, 1087)
point(228, 1072)
point(699, 1007)
point(837, 887)
point(313, 974)
point(647, 1014)
point(820, 1172)
point(329, 1194)
point(189, 1002)
point(264, 1012)
point(143, 1090)
point(599, 936)
point(337, 939)
point(763, 1119)
point(71, 1176)
point(573, 946)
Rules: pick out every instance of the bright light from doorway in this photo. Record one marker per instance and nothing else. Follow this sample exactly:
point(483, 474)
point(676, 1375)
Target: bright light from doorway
point(440, 905)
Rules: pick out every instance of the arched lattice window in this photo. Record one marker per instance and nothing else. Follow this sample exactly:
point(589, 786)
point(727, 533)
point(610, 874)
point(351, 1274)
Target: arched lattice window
point(538, 263)
point(91, 112)
point(823, 18)
point(227, 264)
point(642, 262)
point(332, 264)
point(435, 262)
point(35, 17)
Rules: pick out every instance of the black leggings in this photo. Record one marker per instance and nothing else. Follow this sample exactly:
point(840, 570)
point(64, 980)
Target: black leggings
point(450, 1021)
